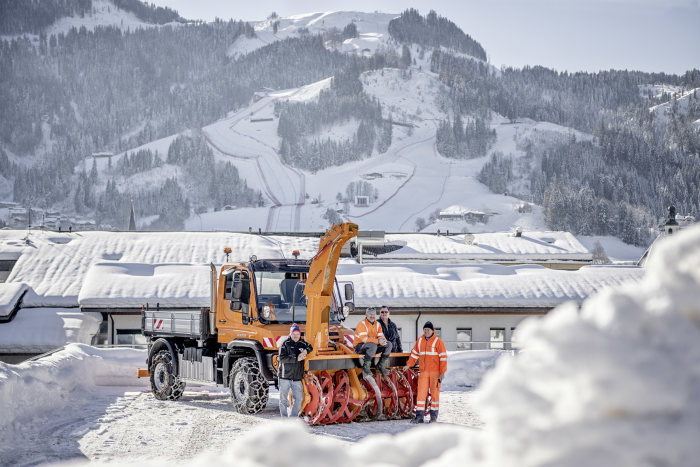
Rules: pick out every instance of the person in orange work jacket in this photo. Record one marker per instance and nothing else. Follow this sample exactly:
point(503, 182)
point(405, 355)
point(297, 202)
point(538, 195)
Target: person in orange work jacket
point(431, 356)
point(369, 340)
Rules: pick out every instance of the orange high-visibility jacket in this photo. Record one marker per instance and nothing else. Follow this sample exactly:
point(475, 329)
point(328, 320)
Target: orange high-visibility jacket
point(368, 332)
point(430, 354)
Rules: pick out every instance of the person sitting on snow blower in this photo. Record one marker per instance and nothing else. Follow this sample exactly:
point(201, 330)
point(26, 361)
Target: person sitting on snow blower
point(369, 340)
point(292, 353)
point(431, 355)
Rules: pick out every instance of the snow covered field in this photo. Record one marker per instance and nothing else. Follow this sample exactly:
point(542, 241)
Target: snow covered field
point(612, 383)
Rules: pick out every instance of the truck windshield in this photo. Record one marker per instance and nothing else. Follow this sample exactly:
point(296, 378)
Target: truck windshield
point(282, 293)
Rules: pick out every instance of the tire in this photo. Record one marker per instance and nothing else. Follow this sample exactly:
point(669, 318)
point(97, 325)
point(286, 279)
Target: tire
point(165, 384)
point(249, 389)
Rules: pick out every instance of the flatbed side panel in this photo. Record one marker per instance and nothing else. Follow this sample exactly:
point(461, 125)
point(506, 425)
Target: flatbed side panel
point(185, 323)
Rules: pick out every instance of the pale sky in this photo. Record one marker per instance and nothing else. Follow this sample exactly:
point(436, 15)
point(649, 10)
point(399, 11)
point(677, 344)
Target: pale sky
point(573, 35)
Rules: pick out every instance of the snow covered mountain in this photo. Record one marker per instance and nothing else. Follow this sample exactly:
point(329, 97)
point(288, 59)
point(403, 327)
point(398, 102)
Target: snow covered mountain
point(53, 18)
point(370, 31)
point(396, 122)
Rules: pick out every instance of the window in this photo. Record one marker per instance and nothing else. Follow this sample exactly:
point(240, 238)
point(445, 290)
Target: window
point(498, 338)
point(464, 338)
point(130, 337)
point(438, 331)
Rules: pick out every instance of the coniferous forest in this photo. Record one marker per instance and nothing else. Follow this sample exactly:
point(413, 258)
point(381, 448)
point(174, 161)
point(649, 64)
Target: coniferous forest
point(68, 95)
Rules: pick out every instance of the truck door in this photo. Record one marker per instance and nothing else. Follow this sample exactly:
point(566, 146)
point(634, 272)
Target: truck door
point(235, 306)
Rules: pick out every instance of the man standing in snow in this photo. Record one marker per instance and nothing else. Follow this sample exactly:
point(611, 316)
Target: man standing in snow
point(370, 339)
point(431, 356)
point(391, 332)
point(292, 353)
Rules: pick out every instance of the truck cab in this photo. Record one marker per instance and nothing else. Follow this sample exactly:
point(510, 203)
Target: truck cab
point(263, 297)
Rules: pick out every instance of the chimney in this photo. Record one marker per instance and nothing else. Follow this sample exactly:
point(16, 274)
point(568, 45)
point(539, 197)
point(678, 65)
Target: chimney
point(671, 226)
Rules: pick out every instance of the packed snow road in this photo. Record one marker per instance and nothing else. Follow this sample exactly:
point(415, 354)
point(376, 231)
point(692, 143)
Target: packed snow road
point(129, 423)
point(86, 403)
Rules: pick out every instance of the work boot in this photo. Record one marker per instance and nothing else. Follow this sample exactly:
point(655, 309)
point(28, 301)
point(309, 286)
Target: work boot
point(420, 417)
point(382, 366)
point(433, 416)
point(366, 364)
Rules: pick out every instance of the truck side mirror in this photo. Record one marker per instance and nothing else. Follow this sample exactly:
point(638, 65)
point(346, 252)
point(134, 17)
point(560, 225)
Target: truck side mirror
point(235, 305)
point(348, 308)
point(349, 292)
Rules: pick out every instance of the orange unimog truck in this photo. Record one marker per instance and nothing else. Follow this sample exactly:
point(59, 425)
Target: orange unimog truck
point(235, 342)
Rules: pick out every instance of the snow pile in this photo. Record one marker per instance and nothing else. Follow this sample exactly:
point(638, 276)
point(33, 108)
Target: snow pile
point(465, 369)
point(30, 390)
point(615, 383)
point(37, 330)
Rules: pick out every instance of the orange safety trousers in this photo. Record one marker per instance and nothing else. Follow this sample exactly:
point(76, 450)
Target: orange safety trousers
point(428, 381)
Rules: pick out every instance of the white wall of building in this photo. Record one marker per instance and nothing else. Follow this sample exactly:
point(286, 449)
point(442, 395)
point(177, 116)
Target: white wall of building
point(448, 323)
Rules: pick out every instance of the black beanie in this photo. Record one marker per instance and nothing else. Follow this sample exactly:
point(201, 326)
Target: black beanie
point(428, 325)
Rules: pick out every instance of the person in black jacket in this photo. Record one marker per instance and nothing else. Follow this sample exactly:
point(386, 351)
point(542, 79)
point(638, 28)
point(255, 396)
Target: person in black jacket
point(292, 353)
point(391, 332)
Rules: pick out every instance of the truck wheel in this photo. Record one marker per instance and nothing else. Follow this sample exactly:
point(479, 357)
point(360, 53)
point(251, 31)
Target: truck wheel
point(165, 384)
point(249, 389)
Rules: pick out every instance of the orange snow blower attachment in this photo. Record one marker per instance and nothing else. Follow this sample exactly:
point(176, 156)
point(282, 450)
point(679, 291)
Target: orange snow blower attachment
point(334, 390)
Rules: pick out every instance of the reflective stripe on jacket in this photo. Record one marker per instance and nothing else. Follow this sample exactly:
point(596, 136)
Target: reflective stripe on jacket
point(368, 332)
point(430, 354)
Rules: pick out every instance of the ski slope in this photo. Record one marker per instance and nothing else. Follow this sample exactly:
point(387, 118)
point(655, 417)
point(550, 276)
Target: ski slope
point(412, 179)
point(372, 28)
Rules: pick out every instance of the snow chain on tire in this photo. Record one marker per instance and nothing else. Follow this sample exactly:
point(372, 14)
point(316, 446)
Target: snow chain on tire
point(165, 384)
point(249, 388)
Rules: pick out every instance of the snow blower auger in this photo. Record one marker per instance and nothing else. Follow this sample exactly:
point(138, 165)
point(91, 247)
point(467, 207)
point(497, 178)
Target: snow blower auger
point(235, 342)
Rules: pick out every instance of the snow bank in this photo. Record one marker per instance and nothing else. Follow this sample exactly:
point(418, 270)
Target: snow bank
point(615, 383)
point(37, 330)
point(465, 369)
point(32, 388)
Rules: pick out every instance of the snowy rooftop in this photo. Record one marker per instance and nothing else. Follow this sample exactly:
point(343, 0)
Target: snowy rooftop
point(128, 269)
point(56, 266)
point(131, 285)
point(478, 286)
point(10, 294)
point(499, 246)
